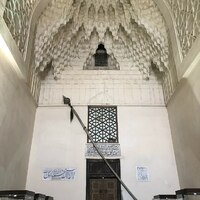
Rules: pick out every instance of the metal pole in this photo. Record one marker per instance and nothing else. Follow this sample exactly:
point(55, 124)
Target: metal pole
point(67, 101)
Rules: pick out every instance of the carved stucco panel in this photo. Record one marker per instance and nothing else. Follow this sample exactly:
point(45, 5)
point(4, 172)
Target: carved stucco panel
point(109, 150)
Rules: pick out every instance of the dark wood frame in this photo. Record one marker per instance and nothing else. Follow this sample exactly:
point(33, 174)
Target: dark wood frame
point(92, 174)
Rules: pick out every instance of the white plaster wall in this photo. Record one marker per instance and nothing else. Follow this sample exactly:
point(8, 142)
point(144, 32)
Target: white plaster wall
point(17, 113)
point(3, 2)
point(145, 140)
point(57, 143)
point(18, 63)
point(184, 116)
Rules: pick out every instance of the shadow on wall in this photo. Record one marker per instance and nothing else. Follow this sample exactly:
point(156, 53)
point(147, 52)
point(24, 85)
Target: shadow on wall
point(184, 117)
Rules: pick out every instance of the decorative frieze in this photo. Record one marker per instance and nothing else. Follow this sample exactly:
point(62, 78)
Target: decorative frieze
point(107, 149)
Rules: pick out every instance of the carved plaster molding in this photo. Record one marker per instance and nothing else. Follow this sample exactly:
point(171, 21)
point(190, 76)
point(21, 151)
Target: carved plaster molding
point(132, 28)
point(187, 18)
point(17, 15)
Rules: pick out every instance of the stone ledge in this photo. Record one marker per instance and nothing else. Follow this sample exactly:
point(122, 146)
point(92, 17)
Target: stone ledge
point(188, 191)
point(17, 193)
point(165, 196)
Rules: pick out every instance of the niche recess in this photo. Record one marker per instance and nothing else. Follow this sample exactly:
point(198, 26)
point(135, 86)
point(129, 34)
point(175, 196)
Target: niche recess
point(101, 60)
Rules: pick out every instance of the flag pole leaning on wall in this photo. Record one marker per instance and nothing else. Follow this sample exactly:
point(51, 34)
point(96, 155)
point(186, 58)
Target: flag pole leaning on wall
point(72, 113)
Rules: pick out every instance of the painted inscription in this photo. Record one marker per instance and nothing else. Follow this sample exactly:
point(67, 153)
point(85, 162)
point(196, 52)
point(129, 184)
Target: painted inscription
point(142, 174)
point(107, 149)
point(59, 174)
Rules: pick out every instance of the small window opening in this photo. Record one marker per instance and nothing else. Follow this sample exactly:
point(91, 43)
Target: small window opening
point(102, 124)
point(101, 56)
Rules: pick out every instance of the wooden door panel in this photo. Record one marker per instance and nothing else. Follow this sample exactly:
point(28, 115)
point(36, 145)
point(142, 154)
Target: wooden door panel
point(101, 182)
point(103, 189)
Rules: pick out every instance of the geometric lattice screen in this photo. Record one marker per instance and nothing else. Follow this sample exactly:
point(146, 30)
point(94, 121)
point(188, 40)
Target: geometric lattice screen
point(102, 124)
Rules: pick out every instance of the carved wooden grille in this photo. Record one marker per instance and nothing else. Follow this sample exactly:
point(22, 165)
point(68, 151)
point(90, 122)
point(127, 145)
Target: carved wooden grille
point(102, 124)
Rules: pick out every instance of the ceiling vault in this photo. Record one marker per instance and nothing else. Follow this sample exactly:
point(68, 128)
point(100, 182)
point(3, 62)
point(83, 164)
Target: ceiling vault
point(134, 29)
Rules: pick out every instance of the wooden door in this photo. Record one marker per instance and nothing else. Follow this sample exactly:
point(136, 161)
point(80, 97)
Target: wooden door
point(103, 189)
point(101, 182)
